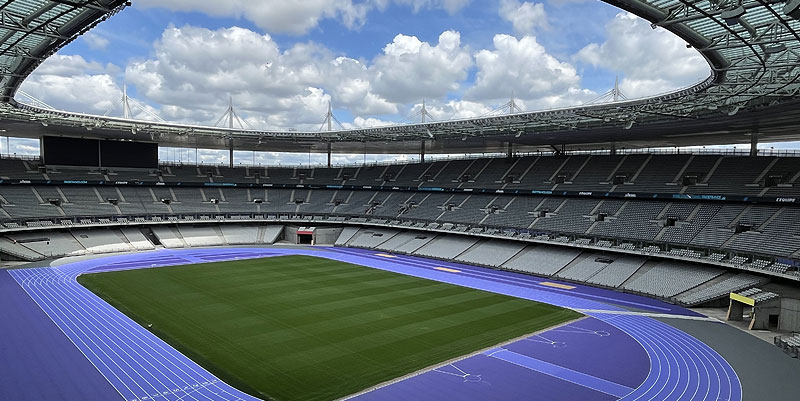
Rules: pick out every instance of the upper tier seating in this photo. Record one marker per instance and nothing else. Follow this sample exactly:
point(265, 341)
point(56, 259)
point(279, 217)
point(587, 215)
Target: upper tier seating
point(691, 174)
point(693, 228)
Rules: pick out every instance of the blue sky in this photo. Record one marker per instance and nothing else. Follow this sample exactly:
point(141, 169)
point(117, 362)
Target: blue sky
point(131, 36)
point(375, 60)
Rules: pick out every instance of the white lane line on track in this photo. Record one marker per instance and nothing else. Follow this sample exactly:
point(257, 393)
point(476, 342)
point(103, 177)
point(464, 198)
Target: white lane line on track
point(69, 281)
point(638, 327)
point(647, 314)
point(136, 344)
point(142, 337)
point(671, 340)
point(105, 342)
point(669, 363)
point(58, 320)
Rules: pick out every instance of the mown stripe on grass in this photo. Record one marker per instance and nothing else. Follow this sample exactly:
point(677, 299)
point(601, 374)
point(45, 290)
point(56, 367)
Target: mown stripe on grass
point(304, 328)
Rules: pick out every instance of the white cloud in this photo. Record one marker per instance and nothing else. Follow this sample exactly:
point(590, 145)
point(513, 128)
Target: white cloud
point(410, 69)
point(525, 17)
point(276, 89)
point(72, 65)
point(451, 6)
point(278, 16)
point(452, 109)
point(297, 16)
point(72, 83)
point(651, 61)
point(523, 67)
point(367, 122)
point(95, 41)
point(19, 146)
point(290, 88)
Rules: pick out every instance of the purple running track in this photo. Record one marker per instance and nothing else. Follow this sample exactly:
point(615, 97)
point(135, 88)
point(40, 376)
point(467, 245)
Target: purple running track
point(612, 354)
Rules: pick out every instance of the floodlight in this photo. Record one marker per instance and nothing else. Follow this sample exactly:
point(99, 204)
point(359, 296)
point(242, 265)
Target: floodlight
point(732, 16)
point(780, 47)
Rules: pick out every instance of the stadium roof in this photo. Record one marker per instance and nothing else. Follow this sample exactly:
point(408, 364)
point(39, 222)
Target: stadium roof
point(752, 47)
point(32, 30)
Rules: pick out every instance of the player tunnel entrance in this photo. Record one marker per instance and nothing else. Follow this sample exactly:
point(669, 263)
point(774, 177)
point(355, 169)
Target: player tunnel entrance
point(305, 236)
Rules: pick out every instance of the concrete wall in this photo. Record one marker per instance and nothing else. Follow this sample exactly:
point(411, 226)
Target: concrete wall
point(790, 315)
point(290, 234)
point(326, 235)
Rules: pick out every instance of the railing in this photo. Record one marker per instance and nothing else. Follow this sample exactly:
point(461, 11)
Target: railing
point(474, 156)
point(771, 152)
point(14, 156)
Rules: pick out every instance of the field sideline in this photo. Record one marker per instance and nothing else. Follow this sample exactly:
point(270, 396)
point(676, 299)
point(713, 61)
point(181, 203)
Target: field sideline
point(307, 328)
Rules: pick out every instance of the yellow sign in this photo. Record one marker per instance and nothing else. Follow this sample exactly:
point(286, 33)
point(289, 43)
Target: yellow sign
point(743, 299)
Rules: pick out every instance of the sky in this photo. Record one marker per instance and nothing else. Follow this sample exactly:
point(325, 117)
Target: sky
point(375, 61)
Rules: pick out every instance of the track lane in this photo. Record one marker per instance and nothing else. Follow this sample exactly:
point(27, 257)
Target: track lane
point(142, 367)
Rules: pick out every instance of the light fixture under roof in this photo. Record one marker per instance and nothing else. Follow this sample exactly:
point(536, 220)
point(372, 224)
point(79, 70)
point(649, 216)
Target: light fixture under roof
point(732, 16)
point(780, 47)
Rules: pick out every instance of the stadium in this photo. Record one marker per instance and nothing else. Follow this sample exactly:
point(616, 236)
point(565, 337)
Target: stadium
point(607, 251)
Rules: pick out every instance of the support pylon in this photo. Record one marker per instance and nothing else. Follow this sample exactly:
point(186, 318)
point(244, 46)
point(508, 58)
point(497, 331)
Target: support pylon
point(329, 120)
point(125, 102)
point(126, 106)
point(424, 113)
point(614, 95)
point(231, 118)
point(512, 105)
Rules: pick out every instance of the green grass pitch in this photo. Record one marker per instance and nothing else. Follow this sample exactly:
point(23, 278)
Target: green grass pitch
point(306, 328)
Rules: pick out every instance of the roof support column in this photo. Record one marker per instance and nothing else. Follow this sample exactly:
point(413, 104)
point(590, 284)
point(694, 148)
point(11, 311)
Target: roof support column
point(329, 155)
point(230, 153)
point(422, 151)
point(754, 143)
point(613, 149)
point(510, 150)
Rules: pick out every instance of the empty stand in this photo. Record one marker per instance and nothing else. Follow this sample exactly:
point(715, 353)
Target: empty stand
point(669, 278)
point(542, 260)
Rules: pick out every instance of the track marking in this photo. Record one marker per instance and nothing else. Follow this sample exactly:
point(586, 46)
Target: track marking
point(681, 366)
point(447, 269)
point(557, 285)
point(560, 372)
point(385, 255)
point(646, 314)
